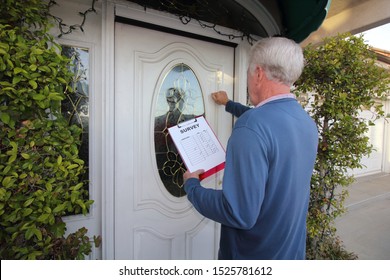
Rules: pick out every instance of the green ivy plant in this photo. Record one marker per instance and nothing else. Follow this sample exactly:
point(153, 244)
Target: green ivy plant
point(341, 79)
point(40, 168)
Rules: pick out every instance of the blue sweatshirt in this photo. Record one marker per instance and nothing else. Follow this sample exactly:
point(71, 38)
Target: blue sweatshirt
point(263, 204)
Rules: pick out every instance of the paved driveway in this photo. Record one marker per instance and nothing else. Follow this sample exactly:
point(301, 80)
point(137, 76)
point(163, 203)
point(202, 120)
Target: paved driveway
point(365, 228)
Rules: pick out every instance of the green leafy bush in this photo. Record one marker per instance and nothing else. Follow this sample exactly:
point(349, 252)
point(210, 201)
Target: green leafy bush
point(40, 169)
point(341, 78)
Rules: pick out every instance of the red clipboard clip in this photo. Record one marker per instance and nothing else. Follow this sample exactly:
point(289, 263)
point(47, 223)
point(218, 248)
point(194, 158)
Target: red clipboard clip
point(212, 171)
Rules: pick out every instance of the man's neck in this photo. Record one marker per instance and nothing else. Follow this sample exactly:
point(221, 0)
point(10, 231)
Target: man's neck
point(272, 91)
point(276, 97)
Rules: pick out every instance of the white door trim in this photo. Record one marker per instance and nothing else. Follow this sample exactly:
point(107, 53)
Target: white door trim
point(108, 25)
point(130, 10)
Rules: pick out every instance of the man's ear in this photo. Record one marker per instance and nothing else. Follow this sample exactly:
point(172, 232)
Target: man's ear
point(259, 73)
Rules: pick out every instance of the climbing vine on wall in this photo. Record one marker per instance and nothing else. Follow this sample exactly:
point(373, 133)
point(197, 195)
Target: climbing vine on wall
point(40, 168)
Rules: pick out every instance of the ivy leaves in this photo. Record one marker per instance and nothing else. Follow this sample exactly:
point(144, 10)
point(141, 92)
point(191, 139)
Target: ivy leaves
point(33, 75)
point(40, 168)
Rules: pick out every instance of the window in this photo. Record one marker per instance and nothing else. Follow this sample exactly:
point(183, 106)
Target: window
point(179, 99)
point(76, 107)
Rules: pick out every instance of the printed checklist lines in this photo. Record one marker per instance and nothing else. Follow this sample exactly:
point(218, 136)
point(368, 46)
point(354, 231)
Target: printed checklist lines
point(198, 147)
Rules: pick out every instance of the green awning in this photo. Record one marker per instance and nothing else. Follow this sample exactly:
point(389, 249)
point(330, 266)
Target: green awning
point(302, 17)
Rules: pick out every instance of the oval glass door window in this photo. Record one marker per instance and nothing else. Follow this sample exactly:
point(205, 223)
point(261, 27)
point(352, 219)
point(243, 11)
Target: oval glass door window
point(179, 99)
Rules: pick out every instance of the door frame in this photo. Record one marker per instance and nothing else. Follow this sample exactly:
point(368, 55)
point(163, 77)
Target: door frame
point(110, 11)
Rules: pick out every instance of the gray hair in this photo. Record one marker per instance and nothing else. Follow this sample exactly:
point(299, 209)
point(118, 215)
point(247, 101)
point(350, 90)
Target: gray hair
point(281, 59)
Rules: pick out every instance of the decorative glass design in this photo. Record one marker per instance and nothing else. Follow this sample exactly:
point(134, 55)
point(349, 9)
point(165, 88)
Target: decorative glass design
point(75, 108)
point(179, 99)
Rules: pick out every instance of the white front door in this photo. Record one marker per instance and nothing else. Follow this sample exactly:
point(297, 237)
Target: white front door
point(153, 220)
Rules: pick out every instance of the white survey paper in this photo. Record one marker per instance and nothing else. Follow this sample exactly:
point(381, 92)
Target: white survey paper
point(198, 146)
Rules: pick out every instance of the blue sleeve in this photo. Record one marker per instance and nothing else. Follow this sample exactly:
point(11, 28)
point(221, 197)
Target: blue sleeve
point(235, 108)
point(239, 202)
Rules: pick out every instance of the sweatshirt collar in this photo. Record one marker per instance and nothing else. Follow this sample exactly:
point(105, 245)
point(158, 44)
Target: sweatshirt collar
point(276, 97)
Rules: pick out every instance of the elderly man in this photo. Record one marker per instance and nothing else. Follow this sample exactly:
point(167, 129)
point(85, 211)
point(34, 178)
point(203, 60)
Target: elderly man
point(270, 156)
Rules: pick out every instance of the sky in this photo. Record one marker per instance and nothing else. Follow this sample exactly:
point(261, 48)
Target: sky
point(378, 37)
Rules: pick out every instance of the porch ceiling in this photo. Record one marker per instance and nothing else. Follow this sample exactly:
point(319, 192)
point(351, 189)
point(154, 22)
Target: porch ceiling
point(294, 19)
point(353, 16)
point(339, 6)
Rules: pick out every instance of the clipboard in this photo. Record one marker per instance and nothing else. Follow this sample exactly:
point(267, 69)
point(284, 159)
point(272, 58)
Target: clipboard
point(198, 146)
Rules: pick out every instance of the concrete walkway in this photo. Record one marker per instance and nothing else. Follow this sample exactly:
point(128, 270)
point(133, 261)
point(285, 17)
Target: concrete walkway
point(365, 227)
